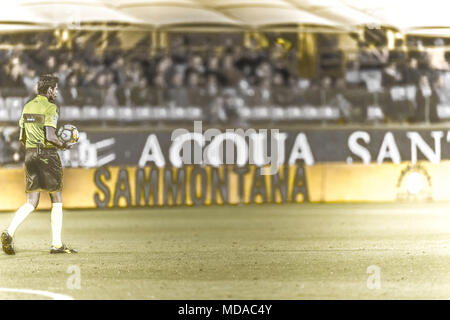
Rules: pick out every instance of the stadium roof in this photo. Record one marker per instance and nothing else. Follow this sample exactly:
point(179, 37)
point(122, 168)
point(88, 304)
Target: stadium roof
point(67, 13)
point(406, 15)
point(174, 13)
point(10, 13)
point(337, 11)
point(268, 13)
point(409, 16)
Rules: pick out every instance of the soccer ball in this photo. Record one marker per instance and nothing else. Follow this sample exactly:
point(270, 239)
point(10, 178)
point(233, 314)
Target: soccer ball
point(68, 133)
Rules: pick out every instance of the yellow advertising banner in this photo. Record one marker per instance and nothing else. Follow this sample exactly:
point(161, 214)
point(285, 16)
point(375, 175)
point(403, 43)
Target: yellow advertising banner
point(114, 186)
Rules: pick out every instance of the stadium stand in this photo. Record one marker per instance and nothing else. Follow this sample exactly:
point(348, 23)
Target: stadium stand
point(228, 82)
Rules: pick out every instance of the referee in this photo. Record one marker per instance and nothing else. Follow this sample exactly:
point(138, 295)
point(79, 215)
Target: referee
point(43, 167)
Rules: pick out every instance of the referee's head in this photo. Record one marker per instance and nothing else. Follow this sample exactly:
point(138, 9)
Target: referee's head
point(48, 86)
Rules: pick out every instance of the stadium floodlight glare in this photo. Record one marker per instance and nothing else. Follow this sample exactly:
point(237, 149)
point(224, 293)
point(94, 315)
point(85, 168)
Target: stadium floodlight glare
point(172, 14)
point(78, 13)
point(414, 183)
point(272, 14)
point(429, 32)
point(405, 14)
point(13, 14)
point(338, 12)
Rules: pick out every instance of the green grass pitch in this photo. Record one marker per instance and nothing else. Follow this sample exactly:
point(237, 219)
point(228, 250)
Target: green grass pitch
point(312, 251)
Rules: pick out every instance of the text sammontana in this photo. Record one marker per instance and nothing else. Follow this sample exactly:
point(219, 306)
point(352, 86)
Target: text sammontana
point(198, 185)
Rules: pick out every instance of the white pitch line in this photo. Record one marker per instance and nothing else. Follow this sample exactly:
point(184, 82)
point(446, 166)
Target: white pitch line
point(54, 296)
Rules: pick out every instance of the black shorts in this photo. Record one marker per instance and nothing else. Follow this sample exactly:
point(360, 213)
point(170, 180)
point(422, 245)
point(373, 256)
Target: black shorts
point(43, 171)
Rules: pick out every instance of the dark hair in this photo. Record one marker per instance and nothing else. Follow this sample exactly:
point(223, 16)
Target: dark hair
point(46, 81)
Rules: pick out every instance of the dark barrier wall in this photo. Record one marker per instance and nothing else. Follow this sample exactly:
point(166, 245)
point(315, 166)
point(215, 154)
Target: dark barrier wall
point(258, 147)
point(146, 169)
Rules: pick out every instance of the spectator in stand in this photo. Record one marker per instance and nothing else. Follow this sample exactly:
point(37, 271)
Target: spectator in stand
point(196, 64)
point(353, 75)
point(217, 114)
point(196, 91)
point(188, 75)
point(14, 74)
point(95, 94)
point(391, 75)
point(212, 85)
point(281, 95)
point(50, 65)
point(248, 63)
point(427, 101)
point(317, 95)
point(213, 67)
point(263, 94)
point(339, 98)
point(89, 78)
point(264, 71)
point(297, 88)
point(30, 80)
point(164, 66)
point(63, 72)
point(412, 74)
point(442, 92)
point(213, 64)
point(161, 88)
point(110, 97)
point(71, 93)
point(119, 71)
point(230, 72)
point(178, 94)
point(135, 73)
point(123, 93)
point(141, 95)
point(232, 104)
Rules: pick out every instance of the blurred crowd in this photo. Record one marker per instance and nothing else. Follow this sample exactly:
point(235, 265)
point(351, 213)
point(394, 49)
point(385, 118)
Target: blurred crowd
point(234, 76)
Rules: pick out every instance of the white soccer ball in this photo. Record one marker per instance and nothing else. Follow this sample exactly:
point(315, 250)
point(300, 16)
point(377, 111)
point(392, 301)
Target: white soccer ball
point(68, 133)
